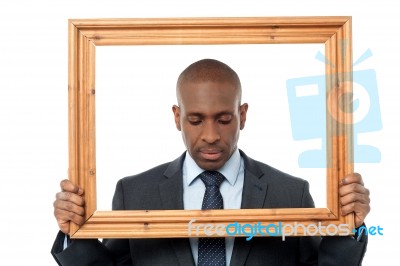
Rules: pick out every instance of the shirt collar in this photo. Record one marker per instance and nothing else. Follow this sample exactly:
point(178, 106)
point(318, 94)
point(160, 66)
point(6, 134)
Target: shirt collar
point(230, 169)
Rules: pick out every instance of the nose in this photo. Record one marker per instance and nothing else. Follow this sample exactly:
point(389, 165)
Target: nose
point(210, 133)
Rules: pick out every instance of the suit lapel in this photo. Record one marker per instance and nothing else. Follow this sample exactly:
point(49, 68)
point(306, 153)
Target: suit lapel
point(171, 189)
point(253, 197)
point(171, 194)
point(254, 187)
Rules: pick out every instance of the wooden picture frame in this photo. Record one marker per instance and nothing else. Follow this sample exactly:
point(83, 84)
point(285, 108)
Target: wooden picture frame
point(86, 34)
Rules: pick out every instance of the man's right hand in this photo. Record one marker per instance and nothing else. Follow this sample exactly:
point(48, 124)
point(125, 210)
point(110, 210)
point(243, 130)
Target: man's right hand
point(69, 206)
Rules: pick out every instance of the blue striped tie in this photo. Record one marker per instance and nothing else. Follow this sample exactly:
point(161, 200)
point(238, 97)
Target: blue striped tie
point(212, 249)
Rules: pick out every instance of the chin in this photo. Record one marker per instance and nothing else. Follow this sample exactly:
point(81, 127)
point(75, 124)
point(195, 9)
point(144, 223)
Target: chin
point(211, 166)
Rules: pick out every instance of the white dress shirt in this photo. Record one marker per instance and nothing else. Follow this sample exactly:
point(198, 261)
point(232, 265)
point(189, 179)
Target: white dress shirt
point(231, 190)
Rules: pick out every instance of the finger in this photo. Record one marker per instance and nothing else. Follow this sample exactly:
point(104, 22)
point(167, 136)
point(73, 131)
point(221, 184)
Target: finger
point(64, 218)
point(356, 207)
point(70, 197)
point(68, 186)
point(68, 206)
point(64, 227)
point(354, 197)
point(360, 211)
point(353, 188)
point(352, 178)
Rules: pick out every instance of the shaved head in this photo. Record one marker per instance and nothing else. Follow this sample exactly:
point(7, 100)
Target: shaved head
point(209, 114)
point(208, 70)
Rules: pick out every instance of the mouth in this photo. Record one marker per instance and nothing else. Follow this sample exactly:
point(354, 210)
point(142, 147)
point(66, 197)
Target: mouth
point(211, 155)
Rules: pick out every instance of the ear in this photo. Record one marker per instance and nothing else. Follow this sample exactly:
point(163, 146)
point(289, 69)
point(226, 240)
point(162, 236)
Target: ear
point(177, 116)
point(243, 112)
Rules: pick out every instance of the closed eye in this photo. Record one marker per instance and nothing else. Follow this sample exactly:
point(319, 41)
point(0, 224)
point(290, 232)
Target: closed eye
point(225, 119)
point(195, 123)
point(224, 122)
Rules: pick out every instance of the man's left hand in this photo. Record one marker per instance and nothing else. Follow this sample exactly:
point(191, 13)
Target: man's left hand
point(354, 197)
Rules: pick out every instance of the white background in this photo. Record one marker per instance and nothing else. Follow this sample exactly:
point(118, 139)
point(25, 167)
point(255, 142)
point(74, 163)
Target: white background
point(134, 135)
point(33, 107)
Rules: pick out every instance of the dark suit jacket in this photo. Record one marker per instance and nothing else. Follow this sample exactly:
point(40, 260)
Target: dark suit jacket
point(161, 188)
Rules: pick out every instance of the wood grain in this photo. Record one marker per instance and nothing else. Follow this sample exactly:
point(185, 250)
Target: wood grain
point(86, 34)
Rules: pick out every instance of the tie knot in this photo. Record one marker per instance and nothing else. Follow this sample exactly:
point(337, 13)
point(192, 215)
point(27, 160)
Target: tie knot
point(212, 178)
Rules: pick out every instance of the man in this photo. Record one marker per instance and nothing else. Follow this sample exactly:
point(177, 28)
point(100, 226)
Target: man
point(210, 116)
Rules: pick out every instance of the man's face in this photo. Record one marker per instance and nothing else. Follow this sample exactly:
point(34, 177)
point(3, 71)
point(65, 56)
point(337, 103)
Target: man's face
point(210, 119)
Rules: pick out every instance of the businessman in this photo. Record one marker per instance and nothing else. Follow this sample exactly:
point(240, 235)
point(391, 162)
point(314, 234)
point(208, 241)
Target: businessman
point(212, 173)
